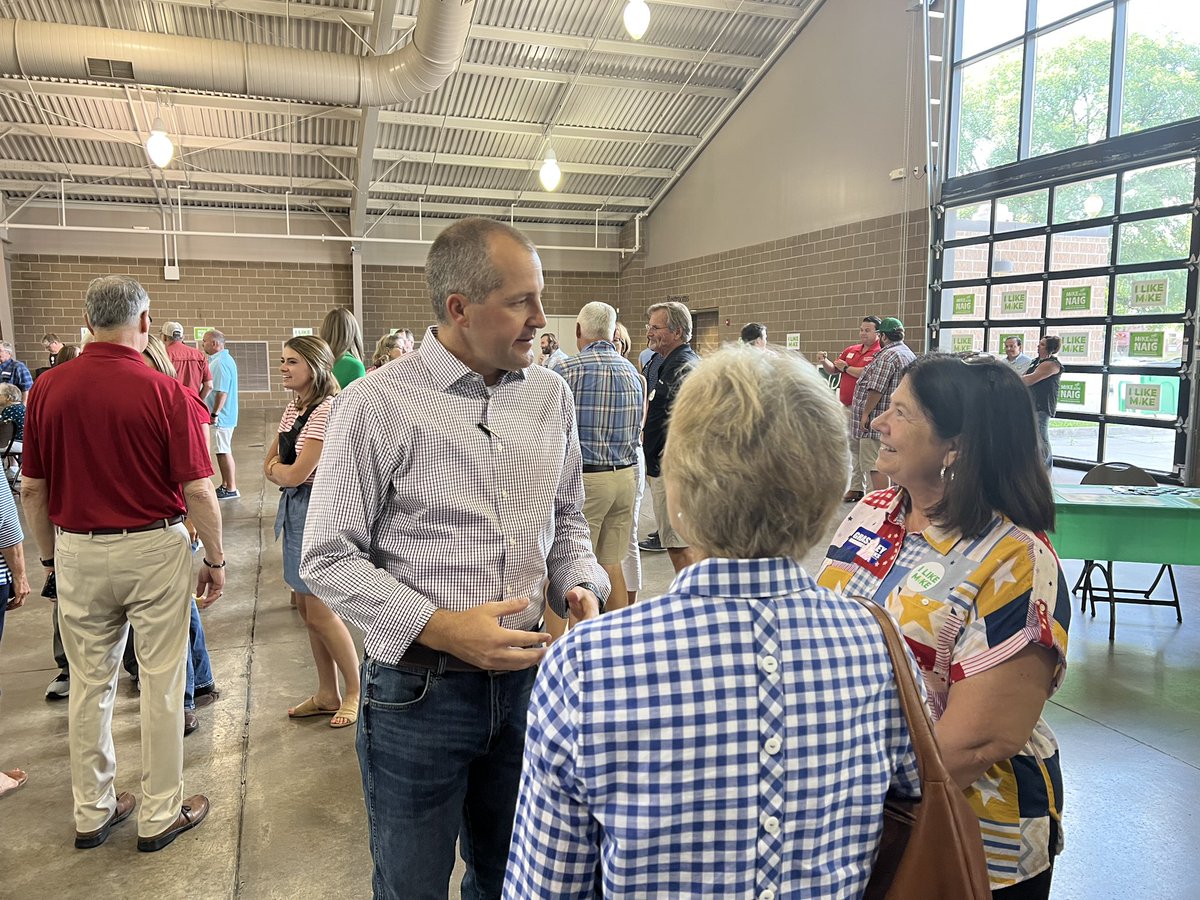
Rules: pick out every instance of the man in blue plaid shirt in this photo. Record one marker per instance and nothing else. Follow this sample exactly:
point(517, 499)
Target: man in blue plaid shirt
point(737, 736)
point(609, 401)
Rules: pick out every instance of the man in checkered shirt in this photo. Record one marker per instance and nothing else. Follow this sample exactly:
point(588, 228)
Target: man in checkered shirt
point(450, 489)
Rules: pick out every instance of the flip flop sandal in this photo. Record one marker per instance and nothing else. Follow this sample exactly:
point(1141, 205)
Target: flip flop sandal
point(347, 711)
point(309, 708)
point(18, 779)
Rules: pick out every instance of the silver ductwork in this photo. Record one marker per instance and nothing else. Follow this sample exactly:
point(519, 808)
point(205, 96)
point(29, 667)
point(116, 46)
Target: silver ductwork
point(45, 50)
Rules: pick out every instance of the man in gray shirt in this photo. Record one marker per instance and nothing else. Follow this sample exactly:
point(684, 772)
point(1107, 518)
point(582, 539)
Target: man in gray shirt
point(1014, 357)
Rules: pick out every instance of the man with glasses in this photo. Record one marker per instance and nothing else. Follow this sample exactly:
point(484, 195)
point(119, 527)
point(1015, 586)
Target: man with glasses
point(669, 331)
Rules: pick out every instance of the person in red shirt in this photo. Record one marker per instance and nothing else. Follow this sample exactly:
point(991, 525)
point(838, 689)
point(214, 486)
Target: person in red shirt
point(851, 362)
point(123, 554)
point(191, 365)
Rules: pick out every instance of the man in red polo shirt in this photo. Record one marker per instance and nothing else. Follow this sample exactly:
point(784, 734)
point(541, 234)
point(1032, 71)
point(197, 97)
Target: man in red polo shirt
point(191, 365)
point(105, 494)
point(850, 363)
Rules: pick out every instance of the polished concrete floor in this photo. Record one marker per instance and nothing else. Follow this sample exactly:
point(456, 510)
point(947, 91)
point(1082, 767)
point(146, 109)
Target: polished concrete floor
point(287, 816)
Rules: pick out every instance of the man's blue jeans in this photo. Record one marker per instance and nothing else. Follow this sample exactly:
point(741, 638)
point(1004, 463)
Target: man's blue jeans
point(440, 754)
point(199, 669)
point(1043, 423)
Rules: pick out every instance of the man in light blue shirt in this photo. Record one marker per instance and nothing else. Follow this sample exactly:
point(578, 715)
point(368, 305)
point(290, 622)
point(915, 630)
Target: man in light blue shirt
point(223, 401)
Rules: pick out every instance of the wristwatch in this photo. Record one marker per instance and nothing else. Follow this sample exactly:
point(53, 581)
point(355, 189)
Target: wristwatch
point(600, 598)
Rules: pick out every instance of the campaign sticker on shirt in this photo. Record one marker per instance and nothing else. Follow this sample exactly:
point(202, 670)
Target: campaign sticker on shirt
point(867, 546)
point(652, 393)
point(925, 577)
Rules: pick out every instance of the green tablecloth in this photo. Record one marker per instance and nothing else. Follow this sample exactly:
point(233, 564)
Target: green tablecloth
point(1149, 525)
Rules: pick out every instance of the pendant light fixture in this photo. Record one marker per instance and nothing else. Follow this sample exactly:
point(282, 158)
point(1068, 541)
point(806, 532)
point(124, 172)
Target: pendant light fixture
point(159, 147)
point(637, 18)
point(550, 174)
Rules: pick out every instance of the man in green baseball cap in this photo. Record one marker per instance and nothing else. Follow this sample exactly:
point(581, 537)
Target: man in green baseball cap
point(873, 393)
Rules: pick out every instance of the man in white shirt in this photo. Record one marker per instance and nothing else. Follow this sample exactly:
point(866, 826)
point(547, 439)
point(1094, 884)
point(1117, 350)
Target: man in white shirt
point(1014, 357)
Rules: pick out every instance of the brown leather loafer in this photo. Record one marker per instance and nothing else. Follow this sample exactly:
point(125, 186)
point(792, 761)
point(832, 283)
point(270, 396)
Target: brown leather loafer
point(85, 840)
point(191, 814)
point(190, 722)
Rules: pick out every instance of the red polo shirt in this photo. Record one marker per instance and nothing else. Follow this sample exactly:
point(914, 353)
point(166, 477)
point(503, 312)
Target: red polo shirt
point(856, 356)
point(191, 365)
point(114, 440)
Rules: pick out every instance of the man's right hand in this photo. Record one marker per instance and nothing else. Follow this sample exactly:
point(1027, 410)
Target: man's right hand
point(476, 636)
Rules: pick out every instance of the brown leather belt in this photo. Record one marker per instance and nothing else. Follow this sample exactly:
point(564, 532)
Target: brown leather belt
point(592, 470)
point(428, 658)
point(156, 525)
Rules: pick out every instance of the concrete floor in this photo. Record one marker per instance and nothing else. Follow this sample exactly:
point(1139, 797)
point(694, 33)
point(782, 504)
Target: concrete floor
point(287, 817)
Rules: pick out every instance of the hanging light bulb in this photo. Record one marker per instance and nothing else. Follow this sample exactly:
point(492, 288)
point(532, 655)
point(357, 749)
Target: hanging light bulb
point(1093, 204)
point(158, 146)
point(550, 174)
point(637, 18)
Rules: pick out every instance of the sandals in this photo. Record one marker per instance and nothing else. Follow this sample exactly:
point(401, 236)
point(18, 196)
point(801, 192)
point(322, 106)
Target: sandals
point(348, 712)
point(11, 781)
point(309, 708)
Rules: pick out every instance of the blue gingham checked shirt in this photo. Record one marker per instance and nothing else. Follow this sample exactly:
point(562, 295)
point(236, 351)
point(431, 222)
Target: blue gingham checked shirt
point(436, 491)
point(608, 403)
point(733, 738)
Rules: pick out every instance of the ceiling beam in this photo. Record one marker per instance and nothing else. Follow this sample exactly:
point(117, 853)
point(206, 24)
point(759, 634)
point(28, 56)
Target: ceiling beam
point(600, 81)
point(197, 143)
point(390, 188)
point(392, 117)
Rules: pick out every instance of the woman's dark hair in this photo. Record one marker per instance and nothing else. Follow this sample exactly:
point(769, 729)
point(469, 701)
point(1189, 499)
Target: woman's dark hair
point(985, 406)
point(1053, 344)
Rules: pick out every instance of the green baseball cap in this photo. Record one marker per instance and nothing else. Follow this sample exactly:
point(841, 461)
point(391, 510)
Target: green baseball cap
point(891, 323)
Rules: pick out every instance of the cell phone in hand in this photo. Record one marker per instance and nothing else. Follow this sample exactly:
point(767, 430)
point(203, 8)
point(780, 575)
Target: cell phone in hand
point(50, 589)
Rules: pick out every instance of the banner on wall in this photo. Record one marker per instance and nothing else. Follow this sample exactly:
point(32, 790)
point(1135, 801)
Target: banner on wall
point(1077, 298)
point(964, 305)
point(793, 340)
point(199, 332)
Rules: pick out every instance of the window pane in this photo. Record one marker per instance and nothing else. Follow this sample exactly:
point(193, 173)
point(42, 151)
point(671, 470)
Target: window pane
point(1144, 396)
point(1162, 63)
point(1158, 186)
point(1151, 292)
point(1019, 256)
point(988, 23)
point(1079, 393)
point(1148, 345)
point(1078, 297)
point(968, 221)
point(1155, 240)
point(1150, 448)
point(989, 113)
point(961, 263)
point(1070, 85)
point(960, 340)
point(1050, 11)
point(1085, 200)
point(963, 303)
point(1075, 440)
point(1081, 345)
point(1022, 210)
point(1082, 249)
point(1017, 301)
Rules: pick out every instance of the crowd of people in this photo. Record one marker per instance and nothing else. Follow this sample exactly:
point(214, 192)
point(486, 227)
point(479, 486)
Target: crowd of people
point(474, 515)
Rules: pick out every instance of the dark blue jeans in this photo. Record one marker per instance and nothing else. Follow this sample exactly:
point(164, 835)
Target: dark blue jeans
point(440, 754)
point(199, 668)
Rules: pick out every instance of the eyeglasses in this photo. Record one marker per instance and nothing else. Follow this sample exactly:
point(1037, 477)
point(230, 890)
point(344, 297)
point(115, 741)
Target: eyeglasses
point(658, 327)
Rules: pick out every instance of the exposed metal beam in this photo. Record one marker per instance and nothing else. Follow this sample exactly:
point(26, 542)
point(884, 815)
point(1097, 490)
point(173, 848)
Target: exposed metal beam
point(330, 184)
point(600, 81)
point(391, 117)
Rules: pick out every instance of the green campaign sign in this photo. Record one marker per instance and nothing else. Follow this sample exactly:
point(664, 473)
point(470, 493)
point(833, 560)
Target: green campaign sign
point(199, 332)
point(962, 343)
point(1074, 344)
point(1014, 301)
point(1072, 392)
point(1077, 299)
point(1150, 293)
point(964, 305)
point(1147, 343)
point(793, 340)
point(1143, 397)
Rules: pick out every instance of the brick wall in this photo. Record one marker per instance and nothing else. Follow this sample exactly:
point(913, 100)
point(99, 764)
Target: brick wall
point(819, 284)
point(249, 300)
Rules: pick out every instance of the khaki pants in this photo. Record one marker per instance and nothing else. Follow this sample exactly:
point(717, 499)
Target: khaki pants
point(105, 584)
point(608, 507)
point(667, 536)
point(864, 454)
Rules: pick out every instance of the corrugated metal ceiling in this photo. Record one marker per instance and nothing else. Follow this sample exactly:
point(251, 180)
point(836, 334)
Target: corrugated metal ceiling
point(533, 69)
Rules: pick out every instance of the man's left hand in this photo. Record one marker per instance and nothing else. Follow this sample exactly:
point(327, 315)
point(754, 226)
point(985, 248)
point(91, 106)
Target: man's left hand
point(209, 585)
point(583, 603)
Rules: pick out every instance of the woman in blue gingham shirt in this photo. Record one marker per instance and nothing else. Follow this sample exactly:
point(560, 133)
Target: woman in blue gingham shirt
point(737, 736)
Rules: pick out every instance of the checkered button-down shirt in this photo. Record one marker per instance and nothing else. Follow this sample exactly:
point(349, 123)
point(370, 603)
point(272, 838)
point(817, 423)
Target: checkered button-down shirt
point(608, 402)
point(735, 736)
point(436, 491)
point(882, 376)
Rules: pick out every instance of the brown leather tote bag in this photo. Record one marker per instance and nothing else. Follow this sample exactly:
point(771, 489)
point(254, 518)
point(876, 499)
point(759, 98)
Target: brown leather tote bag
point(931, 849)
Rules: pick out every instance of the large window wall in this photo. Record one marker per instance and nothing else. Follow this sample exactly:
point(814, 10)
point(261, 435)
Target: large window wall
point(1072, 210)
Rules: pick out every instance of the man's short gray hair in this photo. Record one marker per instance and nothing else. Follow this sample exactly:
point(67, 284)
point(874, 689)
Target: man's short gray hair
point(597, 321)
point(115, 301)
point(776, 433)
point(6, 346)
point(460, 262)
point(679, 318)
point(216, 336)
